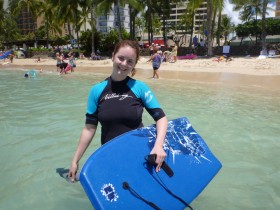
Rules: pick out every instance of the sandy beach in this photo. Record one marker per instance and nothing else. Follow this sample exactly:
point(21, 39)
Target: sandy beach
point(241, 70)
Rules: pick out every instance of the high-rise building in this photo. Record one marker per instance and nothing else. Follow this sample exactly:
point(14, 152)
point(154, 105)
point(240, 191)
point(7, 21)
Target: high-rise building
point(179, 9)
point(25, 22)
point(200, 17)
point(105, 23)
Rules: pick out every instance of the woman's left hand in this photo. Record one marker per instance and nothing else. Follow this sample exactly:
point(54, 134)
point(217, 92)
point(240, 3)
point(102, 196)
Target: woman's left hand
point(160, 156)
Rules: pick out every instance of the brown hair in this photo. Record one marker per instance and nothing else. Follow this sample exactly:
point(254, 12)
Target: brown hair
point(129, 43)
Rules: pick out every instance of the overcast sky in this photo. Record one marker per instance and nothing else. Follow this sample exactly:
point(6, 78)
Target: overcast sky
point(228, 9)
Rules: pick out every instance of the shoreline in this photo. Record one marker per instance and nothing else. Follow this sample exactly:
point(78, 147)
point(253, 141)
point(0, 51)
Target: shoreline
point(239, 71)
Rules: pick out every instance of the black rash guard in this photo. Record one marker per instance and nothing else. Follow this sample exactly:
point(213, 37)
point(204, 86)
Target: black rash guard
point(118, 106)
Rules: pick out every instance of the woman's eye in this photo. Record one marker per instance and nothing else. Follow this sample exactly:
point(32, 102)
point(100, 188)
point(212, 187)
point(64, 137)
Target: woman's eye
point(130, 62)
point(121, 58)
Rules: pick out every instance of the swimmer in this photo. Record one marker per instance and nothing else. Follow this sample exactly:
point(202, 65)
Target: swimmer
point(31, 73)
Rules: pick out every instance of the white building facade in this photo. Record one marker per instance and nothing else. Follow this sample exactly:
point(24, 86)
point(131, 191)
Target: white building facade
point(105, 23)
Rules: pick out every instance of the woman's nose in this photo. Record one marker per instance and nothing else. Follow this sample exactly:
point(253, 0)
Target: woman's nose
point(124, 62)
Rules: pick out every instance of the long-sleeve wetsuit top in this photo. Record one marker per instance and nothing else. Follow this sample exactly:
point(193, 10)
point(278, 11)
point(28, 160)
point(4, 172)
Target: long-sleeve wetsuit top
point(118, 106)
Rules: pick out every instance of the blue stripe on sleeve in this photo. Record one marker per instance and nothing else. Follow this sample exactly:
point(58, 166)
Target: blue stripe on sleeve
point(94, 95)
point(142, 91)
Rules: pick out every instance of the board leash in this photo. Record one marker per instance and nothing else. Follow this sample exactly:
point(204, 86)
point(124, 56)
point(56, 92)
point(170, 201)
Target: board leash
point(151, 161)
point(133, 192)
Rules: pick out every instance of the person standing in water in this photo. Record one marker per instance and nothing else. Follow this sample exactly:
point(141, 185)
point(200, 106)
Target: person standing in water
point(117, 103)
point(156, 61)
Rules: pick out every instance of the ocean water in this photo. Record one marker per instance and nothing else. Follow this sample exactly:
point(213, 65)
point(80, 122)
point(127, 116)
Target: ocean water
point(41, 120)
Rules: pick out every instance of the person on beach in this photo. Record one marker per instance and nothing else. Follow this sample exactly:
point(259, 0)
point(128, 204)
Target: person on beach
point(195, 41)
point(39, 60)
point(72, 62)
point(117, 104)
point(151, 48)
point(11, 57)
point(82, 56)
point(201, 43)
point(63, 67)
point(174, 53)
point(156, 61)
point(58, 61)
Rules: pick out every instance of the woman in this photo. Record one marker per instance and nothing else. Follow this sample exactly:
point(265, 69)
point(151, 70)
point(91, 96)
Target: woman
point(156, 62)
point(59, 61)
point(117, 104)
point(71, 65)
point(174, 53)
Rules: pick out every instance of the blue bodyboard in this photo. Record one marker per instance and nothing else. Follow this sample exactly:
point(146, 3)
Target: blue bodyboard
point(121, 162)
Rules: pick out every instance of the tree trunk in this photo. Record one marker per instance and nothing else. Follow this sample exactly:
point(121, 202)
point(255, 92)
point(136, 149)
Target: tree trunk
point(119, 28)
point(132, 23)
point(70, 33)
point(265, 2)
point(76, 29)
point(209, 27)
point(191, 38)
point(150, 23)
point(92, 17)
point(164, 30)
point(219, 28)
point(34, 30)
point(47, 30)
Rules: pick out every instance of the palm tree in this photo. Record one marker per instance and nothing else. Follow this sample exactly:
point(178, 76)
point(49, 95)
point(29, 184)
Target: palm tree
point(190, 15)
point(8, 26)
point(105, 7)
point(52, 25)
point(218, 8)
point(134, 9)
point(163, 9)
point(2, 13)
point(93, 24)
point(149, 21)
point(69, 12)
point(226, 26)
point(210, 14)
point(140, 23)
point(263, 36)
point(251, 9)
point(91, 5)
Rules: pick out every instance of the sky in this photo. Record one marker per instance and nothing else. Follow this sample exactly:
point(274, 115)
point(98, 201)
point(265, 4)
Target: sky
point(228, 9)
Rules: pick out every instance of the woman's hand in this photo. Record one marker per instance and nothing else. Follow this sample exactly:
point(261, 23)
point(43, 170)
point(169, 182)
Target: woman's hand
point(161, 126)
point(72, 172)
point(160, 156)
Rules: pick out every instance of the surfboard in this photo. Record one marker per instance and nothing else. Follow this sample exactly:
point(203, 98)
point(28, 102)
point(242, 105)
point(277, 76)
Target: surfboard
point(120, 175)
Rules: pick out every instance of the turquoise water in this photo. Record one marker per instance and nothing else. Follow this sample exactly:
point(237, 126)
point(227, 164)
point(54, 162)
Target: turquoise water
point(41, 120)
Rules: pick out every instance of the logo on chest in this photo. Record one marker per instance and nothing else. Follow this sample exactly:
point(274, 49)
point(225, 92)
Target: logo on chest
point(120, 97)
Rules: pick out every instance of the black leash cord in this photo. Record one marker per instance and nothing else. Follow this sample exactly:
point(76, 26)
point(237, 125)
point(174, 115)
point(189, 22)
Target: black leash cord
point(172, 194)
point(133, 192)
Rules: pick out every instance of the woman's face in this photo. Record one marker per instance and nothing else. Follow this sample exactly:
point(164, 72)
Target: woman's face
point(123, 62)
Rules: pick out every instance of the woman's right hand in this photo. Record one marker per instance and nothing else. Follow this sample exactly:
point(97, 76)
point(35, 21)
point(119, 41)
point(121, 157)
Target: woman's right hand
point(85, 139)
point(72, 172)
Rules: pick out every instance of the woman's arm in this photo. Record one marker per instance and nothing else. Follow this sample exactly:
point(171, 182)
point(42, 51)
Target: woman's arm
point(85, 139)
point(151, 58)
point(161, 126)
